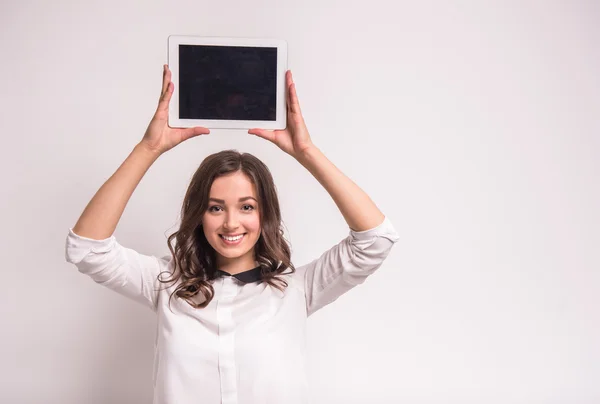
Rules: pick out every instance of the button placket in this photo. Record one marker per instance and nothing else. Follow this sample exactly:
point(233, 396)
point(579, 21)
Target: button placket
point(227, 367)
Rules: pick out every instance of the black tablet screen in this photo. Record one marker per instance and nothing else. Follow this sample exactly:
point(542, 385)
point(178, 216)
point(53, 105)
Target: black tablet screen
point(227, 82)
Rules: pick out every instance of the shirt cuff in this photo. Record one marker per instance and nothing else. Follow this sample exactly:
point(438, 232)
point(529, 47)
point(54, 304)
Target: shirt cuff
point(77, 247)
point(385, 229)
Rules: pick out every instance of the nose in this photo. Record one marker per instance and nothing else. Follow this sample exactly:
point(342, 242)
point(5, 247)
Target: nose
point(231, 221)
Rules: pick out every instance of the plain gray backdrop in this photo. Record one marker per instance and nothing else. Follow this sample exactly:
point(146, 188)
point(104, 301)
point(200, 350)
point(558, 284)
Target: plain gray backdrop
point(473, 125)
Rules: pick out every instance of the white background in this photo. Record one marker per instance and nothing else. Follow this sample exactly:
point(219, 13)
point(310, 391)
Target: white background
point(473, 125)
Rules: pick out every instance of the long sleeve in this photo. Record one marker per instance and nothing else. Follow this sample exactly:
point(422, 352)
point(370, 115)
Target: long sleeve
point(346, 264)
point(121, 269)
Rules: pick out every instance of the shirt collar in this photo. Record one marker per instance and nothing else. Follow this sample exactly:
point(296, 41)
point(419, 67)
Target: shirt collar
point(249, 276)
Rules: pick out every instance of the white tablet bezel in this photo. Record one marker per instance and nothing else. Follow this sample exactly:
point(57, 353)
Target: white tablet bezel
point(173, 61)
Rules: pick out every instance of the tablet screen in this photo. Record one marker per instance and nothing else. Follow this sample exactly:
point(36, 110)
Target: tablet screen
point(227, 82)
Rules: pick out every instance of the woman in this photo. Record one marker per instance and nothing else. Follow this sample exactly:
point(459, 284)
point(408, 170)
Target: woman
point(231, 307)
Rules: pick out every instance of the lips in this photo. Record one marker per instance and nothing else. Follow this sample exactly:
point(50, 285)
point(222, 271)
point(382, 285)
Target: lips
point(232, 243)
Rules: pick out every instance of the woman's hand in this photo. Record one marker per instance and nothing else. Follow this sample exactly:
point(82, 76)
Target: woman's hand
point(294, 139)
point(159, 136)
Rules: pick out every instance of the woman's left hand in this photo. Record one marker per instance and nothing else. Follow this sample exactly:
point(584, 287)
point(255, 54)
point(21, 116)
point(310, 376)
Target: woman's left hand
point(294, 139)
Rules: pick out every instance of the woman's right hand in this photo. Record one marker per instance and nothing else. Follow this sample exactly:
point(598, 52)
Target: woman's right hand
point(159, 136)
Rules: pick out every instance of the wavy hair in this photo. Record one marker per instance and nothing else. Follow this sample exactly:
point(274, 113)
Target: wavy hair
point(194, 259)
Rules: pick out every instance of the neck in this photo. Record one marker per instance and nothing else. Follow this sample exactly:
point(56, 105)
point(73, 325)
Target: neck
point(233, 267)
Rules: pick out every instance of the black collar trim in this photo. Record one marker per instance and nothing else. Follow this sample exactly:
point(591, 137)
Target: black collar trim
point(249, 276)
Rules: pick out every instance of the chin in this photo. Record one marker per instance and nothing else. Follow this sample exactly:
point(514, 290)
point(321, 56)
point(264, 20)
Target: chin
point(231, 254)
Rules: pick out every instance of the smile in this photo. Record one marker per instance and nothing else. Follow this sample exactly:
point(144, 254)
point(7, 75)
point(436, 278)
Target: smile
point(232, 240)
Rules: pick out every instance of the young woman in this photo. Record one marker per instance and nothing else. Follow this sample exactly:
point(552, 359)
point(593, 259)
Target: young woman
point(231, 307)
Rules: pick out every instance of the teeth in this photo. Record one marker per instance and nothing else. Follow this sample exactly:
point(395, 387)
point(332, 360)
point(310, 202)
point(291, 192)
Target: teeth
point(233, 238)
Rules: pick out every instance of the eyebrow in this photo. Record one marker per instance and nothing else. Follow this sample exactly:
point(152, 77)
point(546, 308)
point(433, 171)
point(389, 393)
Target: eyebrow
point(240, 200)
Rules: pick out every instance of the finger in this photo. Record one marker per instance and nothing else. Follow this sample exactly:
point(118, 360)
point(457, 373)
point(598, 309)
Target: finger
point(193, 132)
point(288, 83)
point(163, 103)
point(294, 110)
point(165, 83)
point(289, 99)
point(293, 97)
point(265, 134)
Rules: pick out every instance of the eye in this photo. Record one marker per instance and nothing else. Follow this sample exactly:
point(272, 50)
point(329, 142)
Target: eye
point(212, 208)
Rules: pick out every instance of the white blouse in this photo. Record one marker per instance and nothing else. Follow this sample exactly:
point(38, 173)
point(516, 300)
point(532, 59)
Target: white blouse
point(248, 346)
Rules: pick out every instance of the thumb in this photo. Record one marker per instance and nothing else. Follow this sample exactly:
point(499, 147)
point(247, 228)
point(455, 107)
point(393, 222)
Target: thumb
point(193, 132)
point(265, 134)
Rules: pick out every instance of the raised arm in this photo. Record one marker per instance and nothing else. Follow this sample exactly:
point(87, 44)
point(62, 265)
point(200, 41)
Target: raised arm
point(372, 234)
point(355, 205)
point(90, 245)
point(100, 217)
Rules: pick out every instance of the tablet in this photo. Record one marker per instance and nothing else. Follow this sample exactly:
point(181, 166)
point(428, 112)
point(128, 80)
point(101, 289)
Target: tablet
point(233, 83)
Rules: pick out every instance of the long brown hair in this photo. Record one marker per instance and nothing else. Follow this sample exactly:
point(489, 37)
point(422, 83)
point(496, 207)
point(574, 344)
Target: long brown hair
point(194, 259)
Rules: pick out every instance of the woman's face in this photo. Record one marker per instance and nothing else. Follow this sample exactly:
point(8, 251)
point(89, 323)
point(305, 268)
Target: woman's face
point(232, 211)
